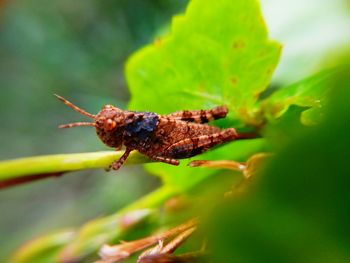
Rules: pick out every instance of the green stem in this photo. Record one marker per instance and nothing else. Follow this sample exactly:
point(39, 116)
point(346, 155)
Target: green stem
point(33, 168)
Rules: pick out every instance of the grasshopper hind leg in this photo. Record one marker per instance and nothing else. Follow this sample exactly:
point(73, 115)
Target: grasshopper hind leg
point(192, 146)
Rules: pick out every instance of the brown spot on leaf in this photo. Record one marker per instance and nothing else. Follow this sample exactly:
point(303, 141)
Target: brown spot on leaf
point(239, 44)
point(234, 81)
point(269, 71)
point(262, 53)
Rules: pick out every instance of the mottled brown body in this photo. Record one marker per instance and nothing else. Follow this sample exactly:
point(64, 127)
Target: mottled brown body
point(163, 138)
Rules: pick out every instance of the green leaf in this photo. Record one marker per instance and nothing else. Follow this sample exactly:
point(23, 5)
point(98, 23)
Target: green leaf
point(218, 53)
point(311, 93)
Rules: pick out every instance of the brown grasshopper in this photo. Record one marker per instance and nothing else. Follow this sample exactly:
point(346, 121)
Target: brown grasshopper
point(163, 138)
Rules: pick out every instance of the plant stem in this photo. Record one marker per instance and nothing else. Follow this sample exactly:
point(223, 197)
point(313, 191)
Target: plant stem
point(22, 170)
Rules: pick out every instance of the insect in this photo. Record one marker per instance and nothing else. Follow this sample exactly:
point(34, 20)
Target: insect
point(163, 138)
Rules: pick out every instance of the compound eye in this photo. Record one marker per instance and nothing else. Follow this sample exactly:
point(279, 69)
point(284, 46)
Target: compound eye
point(110, 124)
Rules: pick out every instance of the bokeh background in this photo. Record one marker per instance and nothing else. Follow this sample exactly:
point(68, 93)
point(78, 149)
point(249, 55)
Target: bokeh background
point(78, 49)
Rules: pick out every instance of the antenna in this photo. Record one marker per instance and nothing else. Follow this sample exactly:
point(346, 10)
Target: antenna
point(76, 124)
point(76, 108)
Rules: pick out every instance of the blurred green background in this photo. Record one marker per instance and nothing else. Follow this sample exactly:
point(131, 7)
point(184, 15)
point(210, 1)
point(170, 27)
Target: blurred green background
point(298, 209)
point(78, 49)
